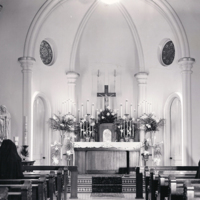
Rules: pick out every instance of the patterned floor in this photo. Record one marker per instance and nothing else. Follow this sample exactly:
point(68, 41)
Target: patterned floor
point(83, 196)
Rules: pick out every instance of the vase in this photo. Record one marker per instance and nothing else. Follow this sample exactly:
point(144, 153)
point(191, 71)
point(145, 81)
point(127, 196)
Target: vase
point(131, 140)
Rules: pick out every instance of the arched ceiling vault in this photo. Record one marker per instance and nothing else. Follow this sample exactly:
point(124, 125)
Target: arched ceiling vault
point(160, 5)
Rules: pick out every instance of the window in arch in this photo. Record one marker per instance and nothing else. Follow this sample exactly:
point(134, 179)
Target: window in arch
point(166, 52)
point(46, 52)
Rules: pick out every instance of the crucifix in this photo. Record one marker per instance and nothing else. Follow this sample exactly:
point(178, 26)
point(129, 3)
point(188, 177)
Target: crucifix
point(106, 94)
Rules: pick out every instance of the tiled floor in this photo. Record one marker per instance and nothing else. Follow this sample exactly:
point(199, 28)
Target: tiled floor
point(83, 196)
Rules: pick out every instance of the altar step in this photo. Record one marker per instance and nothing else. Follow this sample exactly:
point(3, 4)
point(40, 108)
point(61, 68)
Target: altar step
point(85, 182)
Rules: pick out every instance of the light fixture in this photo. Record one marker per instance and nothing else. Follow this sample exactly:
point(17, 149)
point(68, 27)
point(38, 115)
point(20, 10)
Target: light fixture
point(110, 1)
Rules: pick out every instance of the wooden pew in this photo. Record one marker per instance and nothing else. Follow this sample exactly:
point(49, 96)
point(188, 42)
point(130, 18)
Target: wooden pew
point(19, 191)
point(3, 193)
point(164, 181)
point(39, 186)
point(50, 182)
point(152, 186)
point(74, 178)
point(191, 191)
point(176, 187)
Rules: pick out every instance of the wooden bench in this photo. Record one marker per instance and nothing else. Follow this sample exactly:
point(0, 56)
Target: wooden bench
point(151, 179)
point(191, 190)
point(3, 193)
point(50, 181)
point(164, 181)
point(39, 186)
point(19, 191)
point(60, 184)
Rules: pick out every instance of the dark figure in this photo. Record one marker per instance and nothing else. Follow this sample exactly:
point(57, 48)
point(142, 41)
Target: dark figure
point(198, 171)
point(10, 161)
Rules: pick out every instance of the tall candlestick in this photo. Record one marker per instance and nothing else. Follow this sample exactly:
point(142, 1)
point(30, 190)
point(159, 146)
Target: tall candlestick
point(121, 110)
point(87, 107)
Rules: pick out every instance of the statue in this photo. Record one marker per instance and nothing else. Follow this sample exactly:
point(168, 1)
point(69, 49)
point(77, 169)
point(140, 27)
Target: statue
point(4, 122)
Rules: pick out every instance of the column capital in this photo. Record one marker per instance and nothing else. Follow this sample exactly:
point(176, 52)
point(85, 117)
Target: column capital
point(186, 63)
point(72, 77)
point(26, 62)
point(142, 77)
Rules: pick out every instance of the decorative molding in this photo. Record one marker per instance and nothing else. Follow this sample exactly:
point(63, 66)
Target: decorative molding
point(165, 9)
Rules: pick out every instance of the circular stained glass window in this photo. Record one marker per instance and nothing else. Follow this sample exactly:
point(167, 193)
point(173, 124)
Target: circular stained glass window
point(46, 53)
point(168, 53)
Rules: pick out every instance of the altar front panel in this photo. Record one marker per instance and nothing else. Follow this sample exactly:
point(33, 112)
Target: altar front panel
point(105, 157)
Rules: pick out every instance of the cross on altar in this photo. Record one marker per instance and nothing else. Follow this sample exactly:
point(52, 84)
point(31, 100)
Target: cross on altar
point(106, 94)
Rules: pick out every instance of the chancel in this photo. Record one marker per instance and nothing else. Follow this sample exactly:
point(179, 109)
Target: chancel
point(101, 88)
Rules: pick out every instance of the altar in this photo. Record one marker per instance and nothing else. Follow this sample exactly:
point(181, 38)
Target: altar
point(106, 157)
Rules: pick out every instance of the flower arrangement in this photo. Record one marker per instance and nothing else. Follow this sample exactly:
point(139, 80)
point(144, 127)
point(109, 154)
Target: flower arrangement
point(107, 116)
point(65, 123)
point(150, 122)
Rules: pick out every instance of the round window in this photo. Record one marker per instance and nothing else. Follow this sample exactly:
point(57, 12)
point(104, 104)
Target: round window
point(46, 53)
point(168, 53)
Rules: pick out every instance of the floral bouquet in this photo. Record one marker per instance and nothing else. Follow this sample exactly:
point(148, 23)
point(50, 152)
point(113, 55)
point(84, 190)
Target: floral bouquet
point(65, 123)
point(107, 116)
point(150, 122)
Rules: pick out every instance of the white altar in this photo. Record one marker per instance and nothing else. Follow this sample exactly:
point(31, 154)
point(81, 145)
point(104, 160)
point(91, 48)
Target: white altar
point(94, 157)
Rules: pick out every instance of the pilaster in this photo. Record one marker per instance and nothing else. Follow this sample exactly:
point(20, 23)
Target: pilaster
point(27, 64)
point(71, 80)
point(186, 65)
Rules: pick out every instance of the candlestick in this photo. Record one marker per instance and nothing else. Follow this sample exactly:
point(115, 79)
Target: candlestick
point(78, 115)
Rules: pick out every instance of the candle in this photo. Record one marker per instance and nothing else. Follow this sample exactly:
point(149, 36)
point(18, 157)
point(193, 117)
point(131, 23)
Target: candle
point(121, 110)
point(131, 111)
point(78, 115)
point(93, 110)
point(25, 129)
point(87, 107)
point(126, 104)
point(82, 110)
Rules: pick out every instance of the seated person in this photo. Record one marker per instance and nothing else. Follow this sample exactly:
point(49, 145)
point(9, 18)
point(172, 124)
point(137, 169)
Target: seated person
point(10, 161)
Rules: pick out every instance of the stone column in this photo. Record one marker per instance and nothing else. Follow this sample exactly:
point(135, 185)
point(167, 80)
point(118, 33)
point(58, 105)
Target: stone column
point(27, 66)
point(72, 77)
point(186, 65)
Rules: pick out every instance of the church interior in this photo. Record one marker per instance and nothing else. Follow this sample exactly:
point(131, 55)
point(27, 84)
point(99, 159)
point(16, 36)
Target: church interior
point(102, 86)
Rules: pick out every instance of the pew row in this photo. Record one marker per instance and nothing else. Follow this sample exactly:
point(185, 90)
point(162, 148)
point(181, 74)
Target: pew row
point(19, 191)
point(73, 174)
point(151, 179)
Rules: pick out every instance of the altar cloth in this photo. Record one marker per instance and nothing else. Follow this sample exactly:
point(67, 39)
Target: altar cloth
point(129, 146)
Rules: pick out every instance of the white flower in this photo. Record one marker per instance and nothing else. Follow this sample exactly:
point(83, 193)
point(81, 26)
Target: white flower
point(62, 125)
point(146, 153)
point(108, 114)
point(108, 107)
point(112, 113)
point(148, 125)
point(103, 117)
